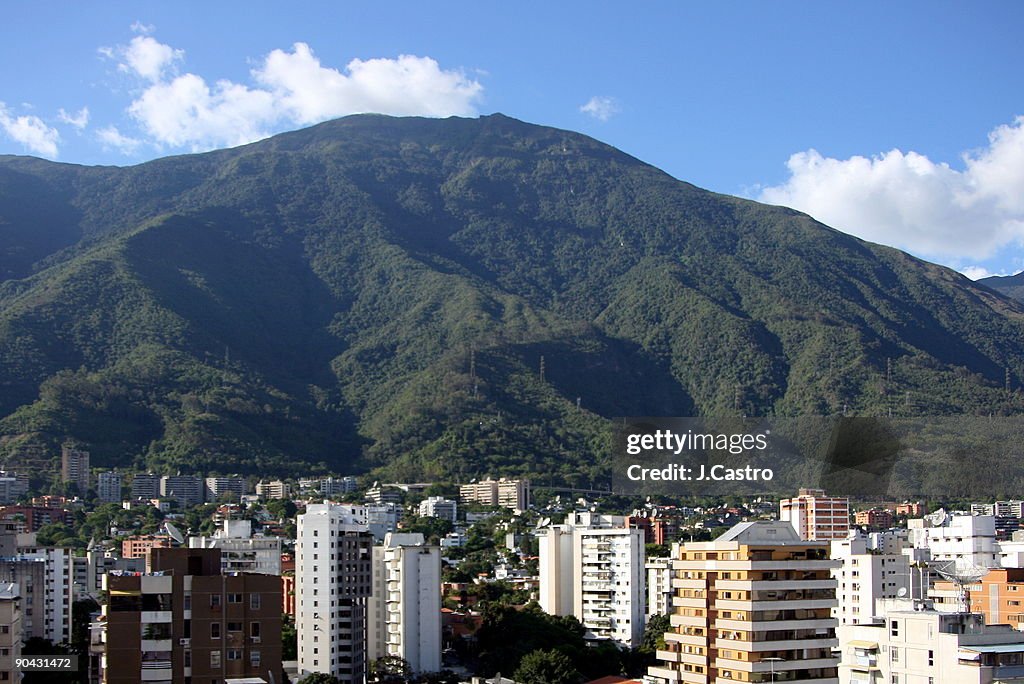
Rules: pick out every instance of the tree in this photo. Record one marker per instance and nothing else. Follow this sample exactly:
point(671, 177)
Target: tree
point(389, 670)
point(289, 638)
point(547, 667)
point(320, 678)
point(654, 633)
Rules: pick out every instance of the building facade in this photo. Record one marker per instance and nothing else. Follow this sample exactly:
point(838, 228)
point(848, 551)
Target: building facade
point(592, 566)
point(816, 516)
point(333, 582)
point(10, 631)
point(405, 609)
point(752, 606)
point(108, 486)
point(74, 468)
point(187, 622)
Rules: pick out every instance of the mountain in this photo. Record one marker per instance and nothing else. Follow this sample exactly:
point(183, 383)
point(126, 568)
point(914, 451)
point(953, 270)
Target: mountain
point(1011, 286)
point(447, 297)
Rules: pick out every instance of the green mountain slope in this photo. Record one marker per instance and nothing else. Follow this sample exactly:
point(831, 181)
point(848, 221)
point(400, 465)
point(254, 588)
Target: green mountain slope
point(1011, 286)
point(379, 292)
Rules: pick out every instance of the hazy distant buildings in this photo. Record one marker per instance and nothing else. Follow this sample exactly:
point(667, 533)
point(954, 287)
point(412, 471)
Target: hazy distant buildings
point(514, 494)
point(74, 468)
point(108, 486)
point(276, 489)
point(187, 490)
point(224, 488)
point(439, 507)
point(145, 486)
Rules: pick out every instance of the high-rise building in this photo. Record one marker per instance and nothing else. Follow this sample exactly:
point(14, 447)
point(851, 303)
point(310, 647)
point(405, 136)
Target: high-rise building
point(10, 631)
point(187, 490)
point(187, 622)
point(659, 586)
point(333, 582)
point(592, 566)
point(752, 606)
point(815, 516)
point(960, 539)
point(108, 486)
point(405, 609)
point(912, 643)
point(145, 486)
point(74, 467)
point(220, 488)
point(13, 486)
point(44, 577)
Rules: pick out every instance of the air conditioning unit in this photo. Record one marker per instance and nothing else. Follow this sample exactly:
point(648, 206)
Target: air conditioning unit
point(185, 642)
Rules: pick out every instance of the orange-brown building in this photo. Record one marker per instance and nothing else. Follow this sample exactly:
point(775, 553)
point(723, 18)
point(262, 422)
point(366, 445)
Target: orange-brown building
point(911, 510)
point(998, 595)
point(139, 547)
point(874, 517)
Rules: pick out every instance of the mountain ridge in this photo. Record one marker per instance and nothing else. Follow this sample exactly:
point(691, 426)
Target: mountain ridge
point(379, 292)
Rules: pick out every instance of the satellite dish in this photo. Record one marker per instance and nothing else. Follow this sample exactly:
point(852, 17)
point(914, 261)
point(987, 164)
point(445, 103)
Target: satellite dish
point(962, 573)
point(902, 592)
point(174, 533)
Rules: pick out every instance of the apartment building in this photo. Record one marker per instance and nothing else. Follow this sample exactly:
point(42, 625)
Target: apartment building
point(74, 468)
point(404, 618)
point(592, 566)
point(45, 582)
point(752, 606)
point(108, 486)
point(961, 539)
point(439, 507)
point(186, 622)
point(275, 489)
point(145, 486)
point(998, 595)
point(10, 631)
point(240, 551)
point(221, 488)
point(878, 518)
point(659, 586)
point(514, 494)
point(816, 516)
point(911, 643)
point(187, 490)
point(333, 582)
point(140, 546)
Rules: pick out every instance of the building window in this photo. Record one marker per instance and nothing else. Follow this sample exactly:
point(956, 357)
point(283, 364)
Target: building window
point(894, 628)
point(214, 658)
point(254, 658)
point(234, 598)
point(215, 630)
point(931, 658)
point(234, 626)
point(234, 654)
point(254, 601)
point(254, 630)
point(215, 600)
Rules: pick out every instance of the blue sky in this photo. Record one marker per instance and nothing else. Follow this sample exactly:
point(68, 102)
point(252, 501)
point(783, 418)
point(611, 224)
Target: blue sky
point(898, 122)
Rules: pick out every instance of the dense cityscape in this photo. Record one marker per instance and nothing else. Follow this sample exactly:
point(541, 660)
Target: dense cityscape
point(181, 578)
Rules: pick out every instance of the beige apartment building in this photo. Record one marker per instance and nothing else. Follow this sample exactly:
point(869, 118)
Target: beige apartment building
point(514, 494)
point(752, 606)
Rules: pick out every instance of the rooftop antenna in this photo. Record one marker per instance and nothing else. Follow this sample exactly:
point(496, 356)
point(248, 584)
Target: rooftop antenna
point(174, 533)
point(962, 574)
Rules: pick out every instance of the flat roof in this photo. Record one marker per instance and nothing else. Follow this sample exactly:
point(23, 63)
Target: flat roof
point(995, 648)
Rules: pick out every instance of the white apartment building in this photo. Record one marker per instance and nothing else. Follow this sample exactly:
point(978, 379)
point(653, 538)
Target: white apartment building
point(240, 551)
point(514, 494)
point(911, 643)
point(333, 581)
point(875, 567)
point(592, 566)
point(439, 507)
point(108, 486)
point(659, 584)
point(382, 518)
point(964, 539)
point(816, 516)
point(405, 609)
point(45, 579)
point(217, 488)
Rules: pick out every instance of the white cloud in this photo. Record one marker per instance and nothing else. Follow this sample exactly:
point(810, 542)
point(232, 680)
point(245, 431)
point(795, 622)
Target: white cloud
point(30, 131)
point(148, 57)
point(289, 87)
point(912, 202)
point(79, 119)
point(110, 137)
point(601, 107)
point(979, 272)
point(307, 91)
point(139, 27)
